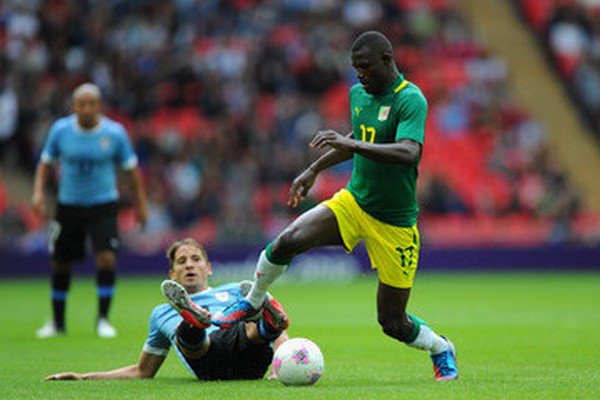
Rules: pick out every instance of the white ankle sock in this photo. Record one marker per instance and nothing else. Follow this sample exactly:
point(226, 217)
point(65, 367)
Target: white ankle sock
point(266, 272)
point(429, 340)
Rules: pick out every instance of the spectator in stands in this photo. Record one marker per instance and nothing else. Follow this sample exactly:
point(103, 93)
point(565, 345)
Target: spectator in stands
point(8, 115)
point(439, 198)
point(568, 36)
point(587, 87)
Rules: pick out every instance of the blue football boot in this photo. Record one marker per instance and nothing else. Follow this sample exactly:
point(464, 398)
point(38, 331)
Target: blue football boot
point(240, 311)
point(444, 363)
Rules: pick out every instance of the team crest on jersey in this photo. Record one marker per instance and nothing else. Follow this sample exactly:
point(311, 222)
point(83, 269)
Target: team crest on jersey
point(105, 143)
point(384, 112)
point(222, 296)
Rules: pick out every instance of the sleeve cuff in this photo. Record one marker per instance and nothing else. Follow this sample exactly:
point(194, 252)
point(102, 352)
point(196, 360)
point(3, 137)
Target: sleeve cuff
point(155, 350)
point(46, 158)
point(130, 164)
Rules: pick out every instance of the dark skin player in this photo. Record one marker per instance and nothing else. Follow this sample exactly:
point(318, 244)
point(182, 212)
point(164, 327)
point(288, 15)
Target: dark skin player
point(376, 70)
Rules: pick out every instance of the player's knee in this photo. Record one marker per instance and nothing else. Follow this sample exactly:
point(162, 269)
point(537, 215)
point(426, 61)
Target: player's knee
point(287, 244)
point(105, 260)
point(390, 328)
point(396, 328)
point(61, 266)
point(191, 341)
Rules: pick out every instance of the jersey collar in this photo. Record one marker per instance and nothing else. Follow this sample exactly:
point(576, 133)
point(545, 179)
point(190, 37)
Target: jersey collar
point(397, 85)
point(208, 288)
point(82, 130)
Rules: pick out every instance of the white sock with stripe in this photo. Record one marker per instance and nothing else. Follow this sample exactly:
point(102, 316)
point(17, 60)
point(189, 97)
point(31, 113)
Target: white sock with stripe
point(265, 274)
point(427, 339)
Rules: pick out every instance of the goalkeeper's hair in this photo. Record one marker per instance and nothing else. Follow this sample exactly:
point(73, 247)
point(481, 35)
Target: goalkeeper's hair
point(172, 250)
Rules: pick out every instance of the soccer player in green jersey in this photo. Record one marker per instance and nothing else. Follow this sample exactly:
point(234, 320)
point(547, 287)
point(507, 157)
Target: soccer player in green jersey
point(378, 205)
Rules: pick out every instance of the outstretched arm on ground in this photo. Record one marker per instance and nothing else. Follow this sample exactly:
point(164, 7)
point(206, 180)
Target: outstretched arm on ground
point(147, 366)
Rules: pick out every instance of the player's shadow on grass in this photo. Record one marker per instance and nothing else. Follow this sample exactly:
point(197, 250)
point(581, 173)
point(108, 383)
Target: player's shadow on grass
point(331, 384)
point(177, 381)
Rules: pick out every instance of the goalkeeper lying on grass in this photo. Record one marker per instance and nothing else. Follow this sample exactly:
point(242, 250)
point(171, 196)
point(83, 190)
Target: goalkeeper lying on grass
point(243, 352)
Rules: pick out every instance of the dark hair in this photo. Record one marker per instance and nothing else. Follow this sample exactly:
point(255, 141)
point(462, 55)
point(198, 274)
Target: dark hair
point(172, 250)
point(375, 40)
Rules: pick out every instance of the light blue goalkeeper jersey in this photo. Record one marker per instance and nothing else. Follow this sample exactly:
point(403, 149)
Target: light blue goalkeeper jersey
point(164, 318)
point(87, 160)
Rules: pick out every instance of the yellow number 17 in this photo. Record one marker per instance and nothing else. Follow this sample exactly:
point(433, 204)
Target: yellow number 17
point(370, 130)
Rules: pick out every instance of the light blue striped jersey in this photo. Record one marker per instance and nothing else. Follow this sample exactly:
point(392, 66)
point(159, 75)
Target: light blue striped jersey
point(87, 160)
point(164, 318)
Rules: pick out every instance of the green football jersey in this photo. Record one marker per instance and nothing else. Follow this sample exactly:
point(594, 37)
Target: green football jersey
point(387, 191)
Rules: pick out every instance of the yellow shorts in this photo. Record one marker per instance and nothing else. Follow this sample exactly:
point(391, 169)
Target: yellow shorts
point(393, 250)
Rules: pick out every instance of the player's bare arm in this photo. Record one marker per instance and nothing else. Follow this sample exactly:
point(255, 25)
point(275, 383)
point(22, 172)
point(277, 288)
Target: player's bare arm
point(38, 199)
point(404, 151)
point(147, 367)
point(141, 207)
point(304, 181)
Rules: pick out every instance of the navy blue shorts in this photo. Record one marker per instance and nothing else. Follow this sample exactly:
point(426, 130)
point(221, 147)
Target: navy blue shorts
point(74, 224)
point(232, 356)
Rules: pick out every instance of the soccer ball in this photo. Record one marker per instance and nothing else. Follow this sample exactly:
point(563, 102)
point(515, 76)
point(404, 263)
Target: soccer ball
point(298, 362)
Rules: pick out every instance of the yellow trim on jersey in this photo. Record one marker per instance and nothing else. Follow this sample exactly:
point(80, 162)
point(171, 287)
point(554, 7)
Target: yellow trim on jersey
point(401, 86)
point(393, 250)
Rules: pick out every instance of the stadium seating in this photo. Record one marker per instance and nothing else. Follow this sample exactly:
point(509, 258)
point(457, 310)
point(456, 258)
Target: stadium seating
point(569, 30)
point(232, 93)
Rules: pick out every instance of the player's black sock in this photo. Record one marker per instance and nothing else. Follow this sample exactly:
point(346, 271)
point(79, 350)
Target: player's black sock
point(105, 280)
point(267, 331)
point(60, 282)
point(189, 336)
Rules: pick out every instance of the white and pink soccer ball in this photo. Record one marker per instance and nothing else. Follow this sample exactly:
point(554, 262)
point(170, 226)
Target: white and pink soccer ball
point(298, 362)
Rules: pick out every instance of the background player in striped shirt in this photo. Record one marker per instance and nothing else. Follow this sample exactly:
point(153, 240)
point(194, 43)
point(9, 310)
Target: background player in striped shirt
point(87, 146)
point(379, 204)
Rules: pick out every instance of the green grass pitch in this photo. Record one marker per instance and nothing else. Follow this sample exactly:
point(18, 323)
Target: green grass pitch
point(519, 336)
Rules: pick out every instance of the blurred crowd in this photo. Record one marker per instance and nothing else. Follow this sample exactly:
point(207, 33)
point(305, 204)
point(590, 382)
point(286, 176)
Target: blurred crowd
point(221, 98)
point(571, 31)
